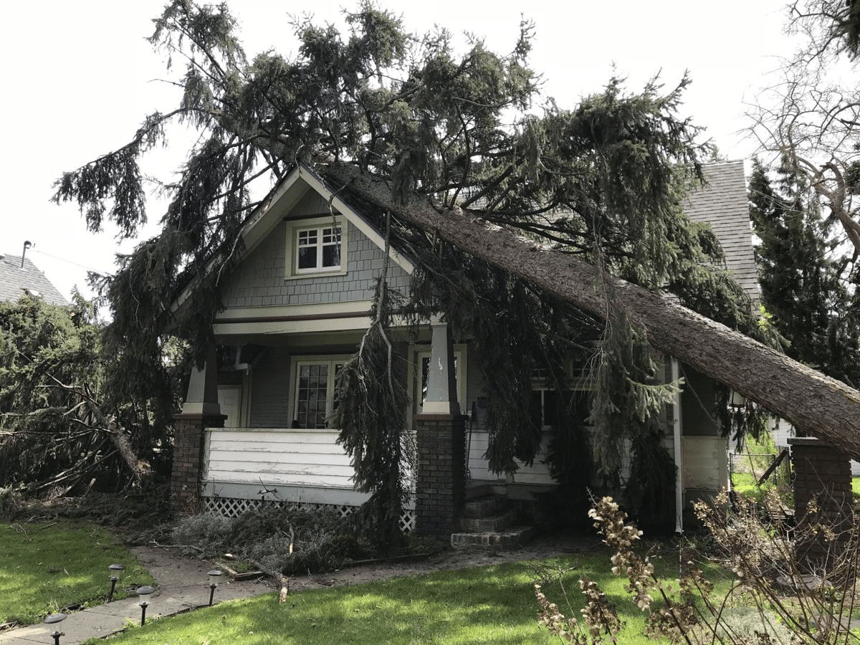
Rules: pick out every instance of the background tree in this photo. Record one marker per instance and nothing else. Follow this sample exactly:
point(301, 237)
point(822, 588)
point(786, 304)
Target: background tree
point(801, 276)
point(61, 428)
point(809, 121)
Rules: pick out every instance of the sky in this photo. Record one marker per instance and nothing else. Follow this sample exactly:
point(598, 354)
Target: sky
point(79, 78)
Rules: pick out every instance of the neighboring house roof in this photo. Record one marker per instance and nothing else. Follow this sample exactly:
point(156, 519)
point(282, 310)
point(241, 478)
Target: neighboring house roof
point(723, 204)
point(16, 281)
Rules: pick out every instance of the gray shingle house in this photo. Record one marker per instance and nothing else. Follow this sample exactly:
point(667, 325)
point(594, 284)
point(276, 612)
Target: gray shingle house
point(255, 430)
point(19, 278)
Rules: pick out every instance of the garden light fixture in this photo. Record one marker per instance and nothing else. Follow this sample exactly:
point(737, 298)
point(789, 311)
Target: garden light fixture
point(115, 571)
point(214, 577)
point(52, 619)
point(144, 593)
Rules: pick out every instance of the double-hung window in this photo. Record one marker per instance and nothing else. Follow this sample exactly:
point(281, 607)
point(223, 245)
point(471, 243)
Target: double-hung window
point(314, 399)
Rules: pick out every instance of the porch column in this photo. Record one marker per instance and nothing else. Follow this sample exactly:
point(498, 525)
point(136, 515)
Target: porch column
point(822, 474)
point(199, 411)
point(441, 437)
point(441, 378)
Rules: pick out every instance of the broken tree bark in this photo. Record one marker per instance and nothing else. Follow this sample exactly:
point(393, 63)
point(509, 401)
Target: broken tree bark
point(816, 404)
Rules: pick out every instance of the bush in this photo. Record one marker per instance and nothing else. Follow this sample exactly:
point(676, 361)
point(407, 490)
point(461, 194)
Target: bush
point(205, 535)
point(775, 596)
point(277, 540)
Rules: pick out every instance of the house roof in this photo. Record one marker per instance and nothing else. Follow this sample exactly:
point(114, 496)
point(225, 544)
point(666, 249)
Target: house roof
point(15, 281)
point(723, 204)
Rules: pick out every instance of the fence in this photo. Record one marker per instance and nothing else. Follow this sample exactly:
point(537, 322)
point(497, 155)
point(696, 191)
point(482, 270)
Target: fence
point(758, 464)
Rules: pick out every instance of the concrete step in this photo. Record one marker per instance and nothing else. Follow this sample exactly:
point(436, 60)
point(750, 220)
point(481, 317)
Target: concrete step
point(476, 489)
point(484, 506)
point(512, 538)
point(489, 524)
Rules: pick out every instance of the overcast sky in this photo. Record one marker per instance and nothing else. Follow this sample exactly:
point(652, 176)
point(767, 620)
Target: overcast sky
point(79, 77)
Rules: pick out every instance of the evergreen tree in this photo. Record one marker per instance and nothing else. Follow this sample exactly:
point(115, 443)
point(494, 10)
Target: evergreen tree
point(61, 426)
point(601, 182)
point(802, 269)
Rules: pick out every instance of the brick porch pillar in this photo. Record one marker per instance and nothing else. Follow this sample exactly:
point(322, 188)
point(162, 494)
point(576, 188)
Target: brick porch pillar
point(822, 474)
point(441, 482)
point(199, 411)
point(188, 459)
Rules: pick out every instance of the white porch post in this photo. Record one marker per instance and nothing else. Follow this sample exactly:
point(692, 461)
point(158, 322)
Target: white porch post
point(679, 452)
point(441, 379)
point(202, 396)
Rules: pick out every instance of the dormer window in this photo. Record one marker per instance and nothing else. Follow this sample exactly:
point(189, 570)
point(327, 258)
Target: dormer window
point(316, 246)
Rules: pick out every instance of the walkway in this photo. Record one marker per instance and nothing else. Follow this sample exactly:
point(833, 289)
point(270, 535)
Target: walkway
point(181, 586)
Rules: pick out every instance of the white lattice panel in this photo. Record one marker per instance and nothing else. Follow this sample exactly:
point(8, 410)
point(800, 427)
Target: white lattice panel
point(407, 521)
point(233, 507)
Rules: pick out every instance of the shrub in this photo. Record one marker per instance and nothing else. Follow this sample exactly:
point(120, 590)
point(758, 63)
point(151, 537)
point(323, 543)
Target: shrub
point(775, 598)
point(278, 540)
point(206, 535)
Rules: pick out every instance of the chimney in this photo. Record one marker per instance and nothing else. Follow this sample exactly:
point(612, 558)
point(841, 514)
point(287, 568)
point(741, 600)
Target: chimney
point(27, 245)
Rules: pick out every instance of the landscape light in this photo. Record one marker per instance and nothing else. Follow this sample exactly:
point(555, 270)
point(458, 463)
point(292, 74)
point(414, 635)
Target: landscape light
point(115, 571)
point(52, 619)
point(214, 577)
point(145, 593)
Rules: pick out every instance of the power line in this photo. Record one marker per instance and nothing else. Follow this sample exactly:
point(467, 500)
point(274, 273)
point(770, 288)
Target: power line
point(90, 269)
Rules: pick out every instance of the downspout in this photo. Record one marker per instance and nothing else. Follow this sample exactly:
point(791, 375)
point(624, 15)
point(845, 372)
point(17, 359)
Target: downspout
point(237, 364)
point(679, 471)
point(244, 401)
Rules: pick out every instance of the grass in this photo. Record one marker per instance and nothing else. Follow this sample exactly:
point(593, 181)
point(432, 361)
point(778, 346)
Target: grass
point(47, 567)
point(745, 484)
point(492, 604)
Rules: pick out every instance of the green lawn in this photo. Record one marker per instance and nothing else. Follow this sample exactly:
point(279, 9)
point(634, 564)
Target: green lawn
point(45, 567)
point(493, 604)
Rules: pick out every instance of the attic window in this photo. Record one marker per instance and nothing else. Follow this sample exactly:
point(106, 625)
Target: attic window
point(32, 292)
point(316, 247)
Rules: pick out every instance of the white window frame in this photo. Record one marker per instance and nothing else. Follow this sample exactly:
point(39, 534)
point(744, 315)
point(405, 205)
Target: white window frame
point(318, 224)
point(331, 362)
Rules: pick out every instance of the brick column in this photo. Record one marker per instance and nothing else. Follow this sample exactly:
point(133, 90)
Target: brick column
point(822, 474)
point(441, 483)
point(188, 444)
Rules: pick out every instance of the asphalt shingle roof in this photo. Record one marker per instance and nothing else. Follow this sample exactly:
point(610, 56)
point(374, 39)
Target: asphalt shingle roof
point(723, 204)
point(15, 281)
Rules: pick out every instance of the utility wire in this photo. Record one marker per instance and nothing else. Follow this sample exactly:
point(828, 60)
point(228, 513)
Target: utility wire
point(90, 269)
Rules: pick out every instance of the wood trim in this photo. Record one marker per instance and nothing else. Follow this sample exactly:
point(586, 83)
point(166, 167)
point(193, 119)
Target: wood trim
point(294, 318)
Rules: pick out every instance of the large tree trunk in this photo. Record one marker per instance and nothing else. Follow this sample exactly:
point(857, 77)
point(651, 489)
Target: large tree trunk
point(816, 404)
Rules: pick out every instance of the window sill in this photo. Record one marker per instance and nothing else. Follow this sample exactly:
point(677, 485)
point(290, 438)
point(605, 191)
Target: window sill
point(315, 274)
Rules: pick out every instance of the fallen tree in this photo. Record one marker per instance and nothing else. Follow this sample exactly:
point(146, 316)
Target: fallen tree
point(816, 404)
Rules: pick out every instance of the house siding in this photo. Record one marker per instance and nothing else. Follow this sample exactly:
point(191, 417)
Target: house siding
point(270, 390)
point(260, 281)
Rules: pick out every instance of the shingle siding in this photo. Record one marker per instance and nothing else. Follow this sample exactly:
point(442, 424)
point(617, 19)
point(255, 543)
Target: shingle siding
point(260, 280)
point(270, 390)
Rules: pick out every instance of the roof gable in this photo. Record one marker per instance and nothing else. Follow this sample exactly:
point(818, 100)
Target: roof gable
point(18, 279)
point(722, 203)
point(294, 190)
point(289, 201)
